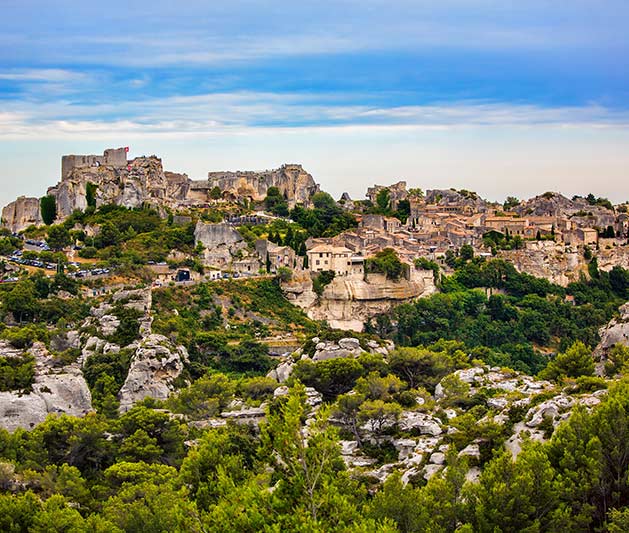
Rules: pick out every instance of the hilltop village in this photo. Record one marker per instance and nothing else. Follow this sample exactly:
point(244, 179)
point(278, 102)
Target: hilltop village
point(190, 351)
point(547, 236)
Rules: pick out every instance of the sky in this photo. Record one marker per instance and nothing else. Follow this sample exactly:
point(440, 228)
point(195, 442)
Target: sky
point(498, 96)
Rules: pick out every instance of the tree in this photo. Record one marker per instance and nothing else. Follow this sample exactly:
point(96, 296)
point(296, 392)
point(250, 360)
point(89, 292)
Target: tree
point(510, 203)
point(378, 414)
point(383, 201)
point(310, 465)
point(48, 207)
point(330, 377)
point(275, 202)
point(21, 300)
point(515, 496)
point(216, 193)
point(387, 262)
point(346, 411)
point(419, 367)
point(90, 194)
point(58, 237)
point(466, 253)
point(374, 387)
point(574, 362)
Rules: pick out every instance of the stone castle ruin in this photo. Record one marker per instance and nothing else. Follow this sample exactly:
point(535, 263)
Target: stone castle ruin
point(142, 181)
point(112, 157)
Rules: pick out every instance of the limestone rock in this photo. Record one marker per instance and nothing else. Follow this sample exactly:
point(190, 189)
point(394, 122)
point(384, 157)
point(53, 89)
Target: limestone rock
point(129, 184)
point(221, 242)
point(21, 213)
point(349, 301)
point(282, 371)
point(421, 422)
point(294, 183)
point(437, 458)
point(154, 366)
point(471, 450)
point(54, 391)
point(616, 332)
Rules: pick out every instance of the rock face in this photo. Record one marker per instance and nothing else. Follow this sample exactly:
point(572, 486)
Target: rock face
point(554, 204)
point(547, 259)
point(616, 332)
point(21, 213)
point(129, 184)
point(562, 264)
point(54, 391)
point(349, 301)
point(221, 241)
point(154, 367)
point(295, 184)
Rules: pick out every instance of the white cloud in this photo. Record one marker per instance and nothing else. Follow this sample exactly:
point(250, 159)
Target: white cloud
point(233, 113)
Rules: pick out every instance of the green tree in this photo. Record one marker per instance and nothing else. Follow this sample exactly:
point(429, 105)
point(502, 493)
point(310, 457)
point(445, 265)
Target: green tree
point(574, 362)
point(379, 415)
point(90, 194)
point(346, 410)
point(466, 253)
point(48, 208)
point(311, 473)
point(387, 262)
point(58, 237)
point(383, 201)
point(515, 496)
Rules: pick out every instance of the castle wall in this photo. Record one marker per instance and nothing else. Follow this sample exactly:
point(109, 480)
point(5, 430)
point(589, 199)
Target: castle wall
point(114, 157)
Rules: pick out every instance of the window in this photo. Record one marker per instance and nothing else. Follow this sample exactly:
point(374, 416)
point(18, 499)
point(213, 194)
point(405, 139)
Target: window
point(318, 261)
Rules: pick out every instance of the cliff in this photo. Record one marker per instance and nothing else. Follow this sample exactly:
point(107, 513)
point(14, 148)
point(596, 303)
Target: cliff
point(293, 181)
point(141, 181)
point(561, 264)
point(348, 302)
point(21, 213)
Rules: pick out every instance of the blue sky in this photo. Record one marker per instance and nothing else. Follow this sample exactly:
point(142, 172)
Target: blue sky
point(504, 97)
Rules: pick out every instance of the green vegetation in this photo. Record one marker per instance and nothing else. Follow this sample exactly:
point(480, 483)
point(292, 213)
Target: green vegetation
point(16, 372)
point(219, 339)
point(275, 202)
point(504, 317)
point(386, 262)
point(48, 208)
point(325, 219)
point(90, 194)
point(322, 280)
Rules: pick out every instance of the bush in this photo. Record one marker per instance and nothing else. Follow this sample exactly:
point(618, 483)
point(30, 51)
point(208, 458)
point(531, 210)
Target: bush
point(322, 280)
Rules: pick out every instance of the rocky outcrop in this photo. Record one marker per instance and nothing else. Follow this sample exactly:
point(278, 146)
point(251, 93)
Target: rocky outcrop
point(615, 332)
point(295, 184)
point(547, 259)
point(154, 367)
point(54, 390)
point(562, 264)
point(140, 181)
point(21, 214)
point(349, 301)
point(554, 204)
point(222, 243)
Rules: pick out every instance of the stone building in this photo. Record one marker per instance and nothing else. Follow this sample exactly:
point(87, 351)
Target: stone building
point(336, 258)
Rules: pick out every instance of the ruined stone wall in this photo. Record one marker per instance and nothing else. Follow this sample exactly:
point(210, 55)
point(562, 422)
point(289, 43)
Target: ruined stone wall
point(115, 157)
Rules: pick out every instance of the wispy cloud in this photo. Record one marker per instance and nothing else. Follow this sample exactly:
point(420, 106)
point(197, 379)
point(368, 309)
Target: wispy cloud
point(234, 113)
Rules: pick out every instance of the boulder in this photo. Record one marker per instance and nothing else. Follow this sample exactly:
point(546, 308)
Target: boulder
point(471, 450)
point(423, 423)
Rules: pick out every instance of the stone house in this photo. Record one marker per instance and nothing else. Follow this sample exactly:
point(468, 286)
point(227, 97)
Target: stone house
point(335, 258)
